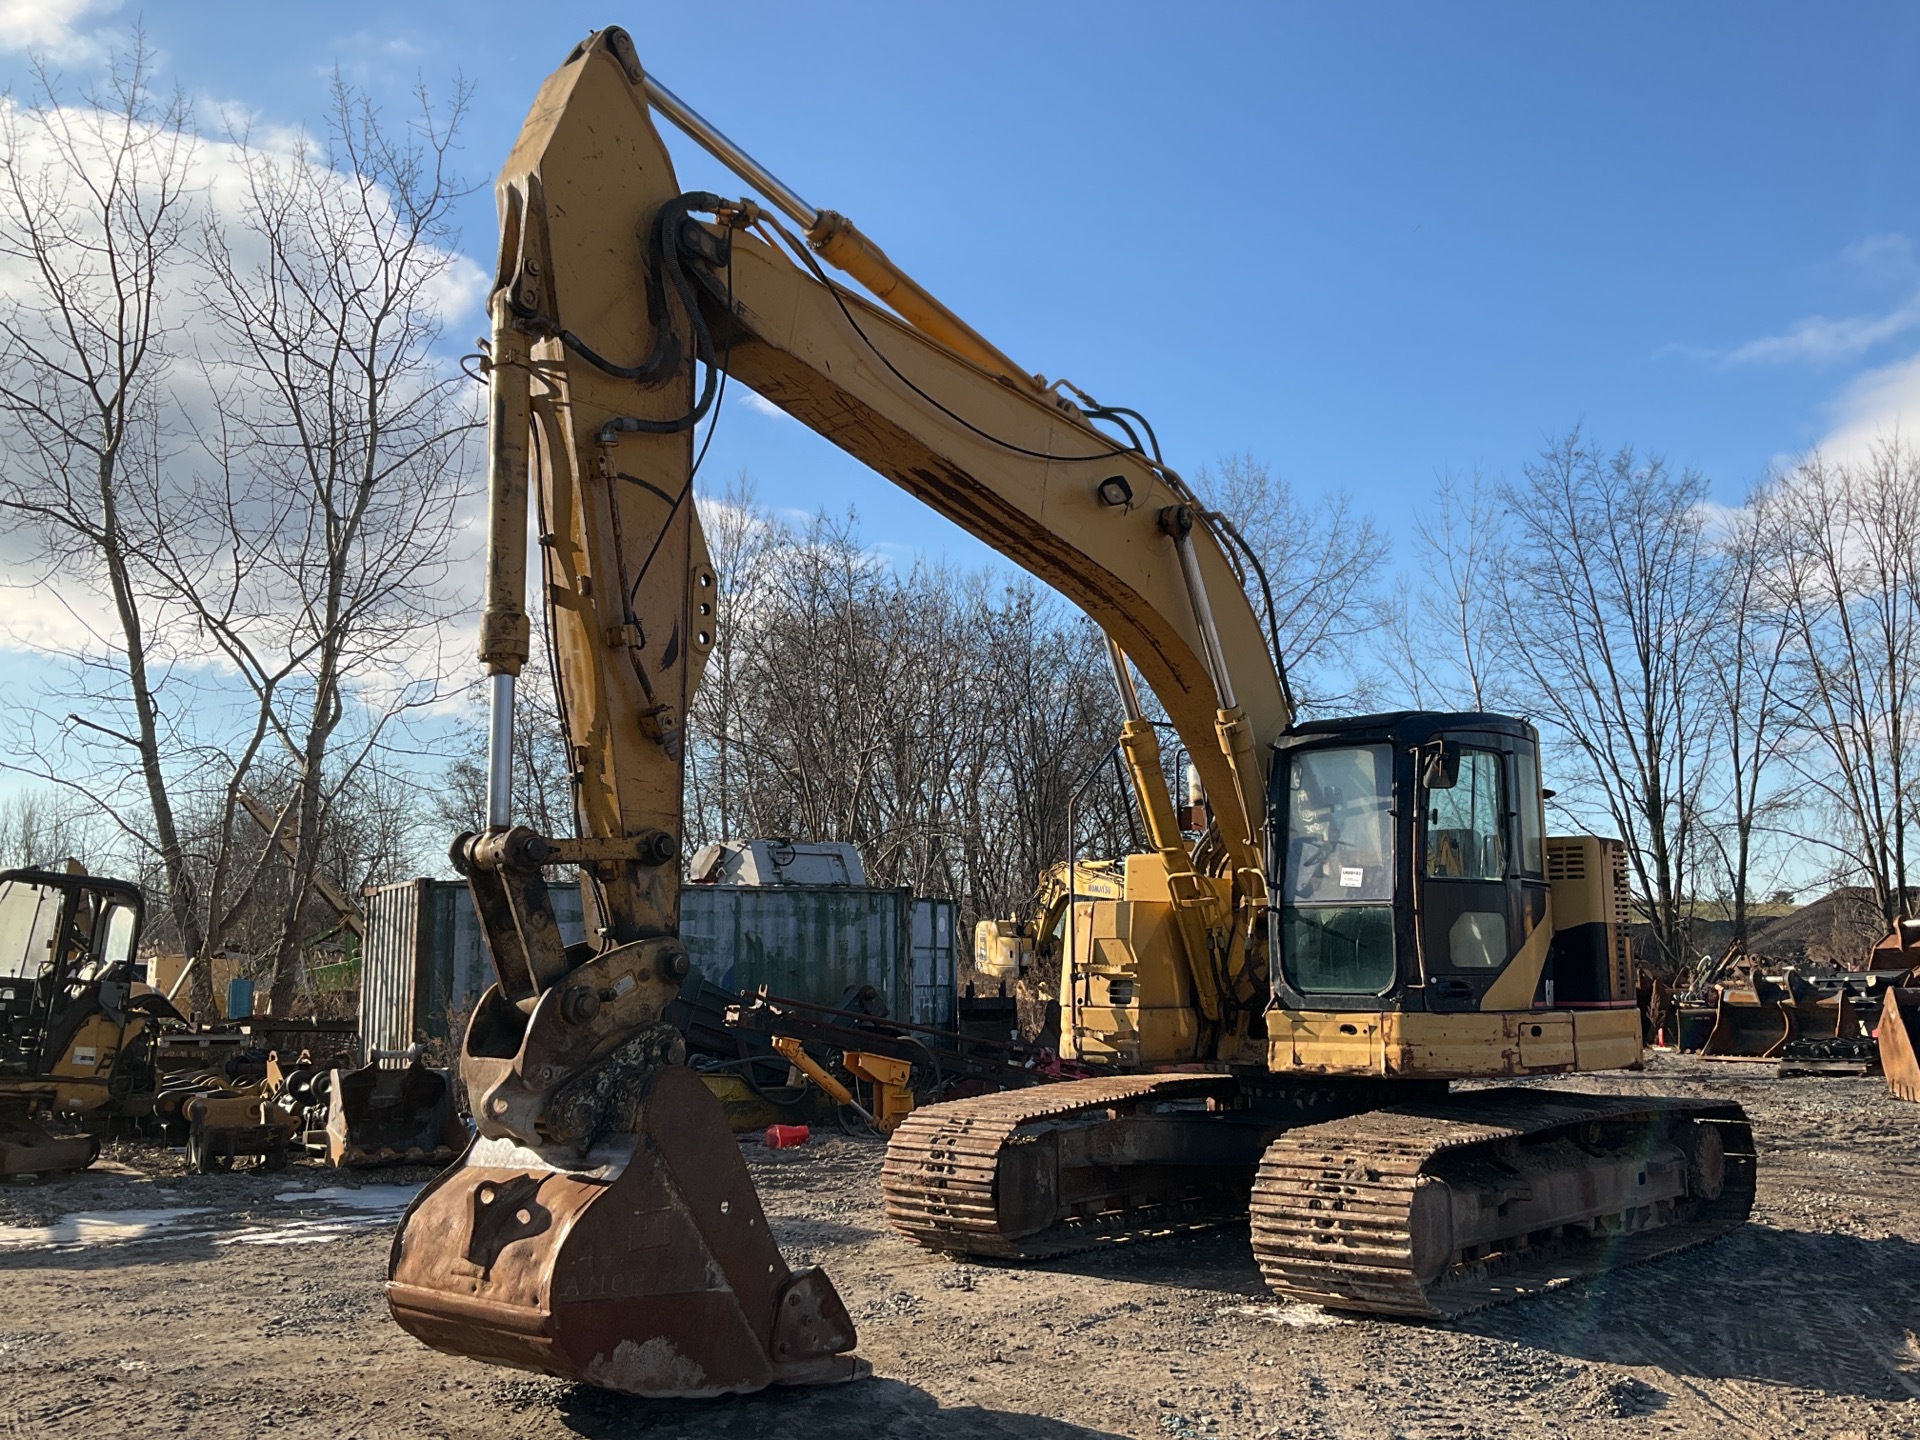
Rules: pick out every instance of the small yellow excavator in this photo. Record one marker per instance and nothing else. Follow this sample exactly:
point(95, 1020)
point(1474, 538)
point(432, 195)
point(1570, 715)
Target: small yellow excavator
point(74, 1040)
point(1373, 911)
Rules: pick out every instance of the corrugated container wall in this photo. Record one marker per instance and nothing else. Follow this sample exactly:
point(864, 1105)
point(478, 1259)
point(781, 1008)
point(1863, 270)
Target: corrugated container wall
point(426, 965)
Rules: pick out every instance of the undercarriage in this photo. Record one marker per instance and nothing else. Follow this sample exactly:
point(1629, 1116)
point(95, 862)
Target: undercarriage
point(1362, 1195)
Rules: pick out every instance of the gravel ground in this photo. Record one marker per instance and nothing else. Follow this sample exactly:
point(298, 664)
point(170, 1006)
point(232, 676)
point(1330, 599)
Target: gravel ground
point(245, 1305)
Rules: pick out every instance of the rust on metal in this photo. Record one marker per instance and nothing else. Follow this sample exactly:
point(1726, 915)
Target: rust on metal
point(382, 1115)
point(647, 1268)
point(1758, 1021)
point(1899, 1039)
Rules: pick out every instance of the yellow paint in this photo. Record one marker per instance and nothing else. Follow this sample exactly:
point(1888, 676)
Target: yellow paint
point(1520, 981)
point(1415, 1045)
point(892, 1086)
point(1124, 999)
point(1607, 1039)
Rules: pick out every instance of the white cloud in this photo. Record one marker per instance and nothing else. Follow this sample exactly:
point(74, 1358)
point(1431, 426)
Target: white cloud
point(1874, 407)
point(760, 405)
point(54, 27)
point(1884, 262)
point(1820, 338)
point(50, 612)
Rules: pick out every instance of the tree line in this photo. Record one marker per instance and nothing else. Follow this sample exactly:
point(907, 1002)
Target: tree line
point(1732, 690)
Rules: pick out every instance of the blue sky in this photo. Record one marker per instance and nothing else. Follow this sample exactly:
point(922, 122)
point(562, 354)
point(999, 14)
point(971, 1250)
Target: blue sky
point(1366, 243)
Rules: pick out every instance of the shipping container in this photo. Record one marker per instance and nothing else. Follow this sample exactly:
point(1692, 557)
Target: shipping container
point(425, 964)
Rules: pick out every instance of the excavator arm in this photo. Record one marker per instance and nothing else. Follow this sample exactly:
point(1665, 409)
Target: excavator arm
point(602, 1226)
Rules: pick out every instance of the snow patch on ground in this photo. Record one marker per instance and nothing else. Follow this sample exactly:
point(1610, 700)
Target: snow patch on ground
point(353, 1209)
point(98, 1227)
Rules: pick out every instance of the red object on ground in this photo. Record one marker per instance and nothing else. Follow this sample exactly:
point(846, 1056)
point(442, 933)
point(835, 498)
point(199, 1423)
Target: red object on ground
point(779, 1137)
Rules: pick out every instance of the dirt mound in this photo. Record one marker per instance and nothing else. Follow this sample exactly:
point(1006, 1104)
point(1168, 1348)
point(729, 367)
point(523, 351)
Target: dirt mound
point(1837, 929)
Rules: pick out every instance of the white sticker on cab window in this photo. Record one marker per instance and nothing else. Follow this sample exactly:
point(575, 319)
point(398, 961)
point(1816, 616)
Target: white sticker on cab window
point(1352, 877)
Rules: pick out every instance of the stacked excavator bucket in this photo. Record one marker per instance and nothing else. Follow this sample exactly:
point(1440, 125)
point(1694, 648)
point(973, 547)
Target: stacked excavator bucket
point(1899, 1038)
point(386, 1115)
point(1759, 1021)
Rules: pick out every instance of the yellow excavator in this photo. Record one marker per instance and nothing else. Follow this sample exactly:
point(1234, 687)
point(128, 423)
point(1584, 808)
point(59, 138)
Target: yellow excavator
point(1011, 949)
point(1373, 912)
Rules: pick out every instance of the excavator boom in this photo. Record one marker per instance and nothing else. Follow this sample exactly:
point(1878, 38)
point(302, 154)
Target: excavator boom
point(618, 299)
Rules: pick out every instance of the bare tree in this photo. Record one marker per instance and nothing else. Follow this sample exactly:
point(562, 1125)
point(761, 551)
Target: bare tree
point(1447, 634)
point(742, 541)
point(337, 454)
point(45, 827)
point(1614, 599)
point(937, 719)
point(1747, 679)
point(1324, 565)
point(541, 794)
point(1848, 562)
point(96, 204)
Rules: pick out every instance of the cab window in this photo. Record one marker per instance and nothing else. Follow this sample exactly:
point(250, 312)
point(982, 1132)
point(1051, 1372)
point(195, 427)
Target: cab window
point(1533, 827)
point(1336, 915)
point(1467, 824)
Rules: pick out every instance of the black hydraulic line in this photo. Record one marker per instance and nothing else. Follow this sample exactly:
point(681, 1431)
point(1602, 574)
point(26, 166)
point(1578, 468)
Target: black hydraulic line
point(665, 362)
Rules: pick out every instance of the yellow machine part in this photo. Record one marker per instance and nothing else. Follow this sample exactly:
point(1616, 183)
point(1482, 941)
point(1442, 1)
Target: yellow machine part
point(1122, 1002)
point(890, 1079)
point(1002, 949)
point(892, 1088)
point(81, 1073)
point(1415, 1045)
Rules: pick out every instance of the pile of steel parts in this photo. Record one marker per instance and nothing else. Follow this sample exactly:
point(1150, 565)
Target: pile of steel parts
point(1810, 1020)
point(87, 1052)
point(393, 1111)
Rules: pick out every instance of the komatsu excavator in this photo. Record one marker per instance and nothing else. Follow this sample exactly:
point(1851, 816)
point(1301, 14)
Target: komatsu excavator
point(1374, 911)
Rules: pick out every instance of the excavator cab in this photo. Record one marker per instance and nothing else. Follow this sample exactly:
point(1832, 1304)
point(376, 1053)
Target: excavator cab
point(1414, 877)
point(1410, 860)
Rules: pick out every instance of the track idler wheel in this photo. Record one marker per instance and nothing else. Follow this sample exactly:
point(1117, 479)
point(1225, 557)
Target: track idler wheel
point(646, 1268)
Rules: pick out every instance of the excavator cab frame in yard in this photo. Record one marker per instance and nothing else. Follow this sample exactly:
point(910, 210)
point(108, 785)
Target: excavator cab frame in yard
point(72, 1039)
point(1276, 1009)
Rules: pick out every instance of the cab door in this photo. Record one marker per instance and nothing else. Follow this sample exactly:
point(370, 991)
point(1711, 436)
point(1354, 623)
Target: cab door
point(1470, 915)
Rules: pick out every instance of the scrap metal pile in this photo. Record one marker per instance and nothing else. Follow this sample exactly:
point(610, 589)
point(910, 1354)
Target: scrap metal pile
point(1807, 1019)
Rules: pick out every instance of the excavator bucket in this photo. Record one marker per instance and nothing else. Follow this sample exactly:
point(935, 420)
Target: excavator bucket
point(1899, 1038)
point(28, 1147)
point(392, 1115)
point(1751, 1024)
point(648, 1269)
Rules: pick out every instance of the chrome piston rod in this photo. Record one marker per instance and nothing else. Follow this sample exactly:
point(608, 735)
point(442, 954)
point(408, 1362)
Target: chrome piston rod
point(499, 751)
point(707, 136)
point(1211, 650)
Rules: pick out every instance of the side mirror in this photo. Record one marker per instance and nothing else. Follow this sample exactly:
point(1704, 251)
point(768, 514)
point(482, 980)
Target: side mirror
point(1440, 765)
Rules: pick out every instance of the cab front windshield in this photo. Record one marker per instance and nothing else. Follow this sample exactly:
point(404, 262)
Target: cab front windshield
point(1336, 917)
